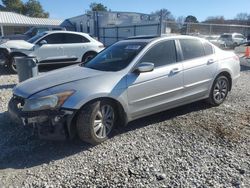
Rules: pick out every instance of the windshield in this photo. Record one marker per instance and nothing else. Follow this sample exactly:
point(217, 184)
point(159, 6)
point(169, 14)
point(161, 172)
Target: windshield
point(29, 31)
point(116, 57)
point(36, 37)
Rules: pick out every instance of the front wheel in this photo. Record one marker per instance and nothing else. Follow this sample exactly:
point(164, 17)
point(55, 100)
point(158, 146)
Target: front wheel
point(96, 121)
point(219, 91)
point(12, 65)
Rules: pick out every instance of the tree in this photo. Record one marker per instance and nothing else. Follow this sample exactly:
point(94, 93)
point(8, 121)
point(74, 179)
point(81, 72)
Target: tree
point(165, 13)
point(191, 19)
point(13, 6)
point(33, 8)
point(215, 20)
point(98, 7)
point(180, 20)
point(242, 17)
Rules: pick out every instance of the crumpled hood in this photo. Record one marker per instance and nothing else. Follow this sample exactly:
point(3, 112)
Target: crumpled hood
point(54, 78)
point(17, 44)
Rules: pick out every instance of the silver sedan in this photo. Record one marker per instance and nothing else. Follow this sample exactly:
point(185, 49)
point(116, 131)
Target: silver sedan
point(131, 79)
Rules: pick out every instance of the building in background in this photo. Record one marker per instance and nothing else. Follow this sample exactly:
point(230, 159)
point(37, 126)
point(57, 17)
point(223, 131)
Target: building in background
point(110, 26)
point(13, 23)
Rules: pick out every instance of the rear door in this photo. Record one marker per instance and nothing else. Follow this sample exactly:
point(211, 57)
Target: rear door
point(153, 91)
point(75, 46)
point(52, 52)
point(199, 67)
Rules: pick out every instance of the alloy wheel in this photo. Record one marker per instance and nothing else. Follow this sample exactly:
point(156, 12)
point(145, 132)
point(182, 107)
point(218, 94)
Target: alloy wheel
point(104, 121)
point(220, 90)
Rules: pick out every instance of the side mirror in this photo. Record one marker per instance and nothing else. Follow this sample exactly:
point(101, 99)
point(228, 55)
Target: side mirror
point(145, 67)
point(43, 42)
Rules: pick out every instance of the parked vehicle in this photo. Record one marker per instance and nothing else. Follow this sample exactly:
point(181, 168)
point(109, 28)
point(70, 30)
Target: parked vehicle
point(231, 40)
point(32, 32)
point(131, 79)
point(243, 51)
point(51, 47)
point(213, 39)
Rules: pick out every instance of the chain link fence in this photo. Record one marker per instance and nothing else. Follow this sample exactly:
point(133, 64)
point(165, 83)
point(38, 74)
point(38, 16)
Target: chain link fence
point(110, 35)
point(206, 29)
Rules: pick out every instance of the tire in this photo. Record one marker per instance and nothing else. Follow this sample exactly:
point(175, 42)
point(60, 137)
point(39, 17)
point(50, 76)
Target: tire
point(96, 121)
point(219, 91)
point(12, 65)
point(88, 56)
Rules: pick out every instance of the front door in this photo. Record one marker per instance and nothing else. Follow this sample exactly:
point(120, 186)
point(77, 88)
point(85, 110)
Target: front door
point(52, 51)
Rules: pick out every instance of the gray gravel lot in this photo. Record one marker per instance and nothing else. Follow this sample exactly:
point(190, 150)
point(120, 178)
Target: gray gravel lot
point(191, 146)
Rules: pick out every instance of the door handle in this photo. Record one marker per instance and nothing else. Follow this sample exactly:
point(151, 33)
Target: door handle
point(210, 61)
point(175, 71)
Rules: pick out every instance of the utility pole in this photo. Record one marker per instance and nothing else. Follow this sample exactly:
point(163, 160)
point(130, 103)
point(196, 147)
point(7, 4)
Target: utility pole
point(161, 20)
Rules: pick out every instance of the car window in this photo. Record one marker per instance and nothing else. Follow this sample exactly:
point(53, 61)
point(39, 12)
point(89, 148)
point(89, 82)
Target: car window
point(41, 30)
point(191, 48)
point(74, 38)
point(208, 48)
point(161, 54)
point(226, 37)
point(57, 29)
point(239, 36)
point(56, 38)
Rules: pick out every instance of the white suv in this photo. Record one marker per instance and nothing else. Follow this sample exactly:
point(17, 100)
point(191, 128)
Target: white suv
point(231, 40)
point(51, 47)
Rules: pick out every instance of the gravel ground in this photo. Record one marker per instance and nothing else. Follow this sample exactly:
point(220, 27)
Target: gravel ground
point(191, 146)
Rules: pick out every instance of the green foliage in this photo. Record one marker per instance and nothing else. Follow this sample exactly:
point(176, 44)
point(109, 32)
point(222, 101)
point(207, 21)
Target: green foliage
point(98, 7)
point(31, 8)
point(13, 5)
point(191, 19)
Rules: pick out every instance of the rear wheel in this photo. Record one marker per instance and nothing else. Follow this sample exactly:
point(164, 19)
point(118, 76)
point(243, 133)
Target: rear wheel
point(88, 56)
point(96, 121)
point(219, 91)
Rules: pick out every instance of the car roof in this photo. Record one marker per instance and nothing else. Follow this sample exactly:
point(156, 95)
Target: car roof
point(151, 38)
point(69, 32)
point(231, 34)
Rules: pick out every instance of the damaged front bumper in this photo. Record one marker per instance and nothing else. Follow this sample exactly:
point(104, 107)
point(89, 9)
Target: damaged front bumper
point(51, 124)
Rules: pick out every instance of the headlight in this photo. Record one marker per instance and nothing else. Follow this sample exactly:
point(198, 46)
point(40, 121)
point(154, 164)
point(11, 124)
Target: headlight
point(47, 102)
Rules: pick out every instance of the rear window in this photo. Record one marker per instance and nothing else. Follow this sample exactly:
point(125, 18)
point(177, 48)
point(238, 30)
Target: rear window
point(208, 48)
point(192, 48)
point(239, 36)
point(74, 38)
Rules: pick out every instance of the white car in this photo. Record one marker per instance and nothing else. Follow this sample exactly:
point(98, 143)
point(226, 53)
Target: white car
point(51, 47)
point(231, 40)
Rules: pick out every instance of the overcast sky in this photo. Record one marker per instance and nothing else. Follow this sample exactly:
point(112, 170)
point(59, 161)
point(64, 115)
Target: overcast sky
point(199, 8)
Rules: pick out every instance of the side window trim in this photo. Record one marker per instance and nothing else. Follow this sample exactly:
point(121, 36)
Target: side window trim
point(178, 49)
